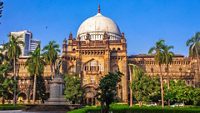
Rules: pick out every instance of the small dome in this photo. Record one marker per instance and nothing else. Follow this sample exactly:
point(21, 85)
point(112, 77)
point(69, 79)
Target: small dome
point(98, 25)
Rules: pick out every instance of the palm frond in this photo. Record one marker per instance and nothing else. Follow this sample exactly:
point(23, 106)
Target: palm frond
point(151, 50)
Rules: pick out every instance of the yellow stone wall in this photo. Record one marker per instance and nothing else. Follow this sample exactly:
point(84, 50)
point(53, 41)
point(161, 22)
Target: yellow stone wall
point(184, 68)
point(111, 55)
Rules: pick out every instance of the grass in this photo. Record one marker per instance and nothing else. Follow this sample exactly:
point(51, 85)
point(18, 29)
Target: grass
point(116, 108)
point(11, 107)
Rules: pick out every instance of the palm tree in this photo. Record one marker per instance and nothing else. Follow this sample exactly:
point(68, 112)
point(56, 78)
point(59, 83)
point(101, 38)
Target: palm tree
point(51, 55)
point(194, 48)
point(35, 64)
point(13, 52)
point(159, 59)
point(168, 55)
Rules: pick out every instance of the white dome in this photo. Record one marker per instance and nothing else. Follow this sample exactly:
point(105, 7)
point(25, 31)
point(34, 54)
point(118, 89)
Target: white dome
point(98, 25)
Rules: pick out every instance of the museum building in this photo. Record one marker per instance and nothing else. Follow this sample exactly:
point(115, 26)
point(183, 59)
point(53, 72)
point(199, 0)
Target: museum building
point(100, 47)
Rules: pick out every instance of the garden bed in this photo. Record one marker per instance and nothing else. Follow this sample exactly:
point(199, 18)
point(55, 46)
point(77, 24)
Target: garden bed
point(136, 109)
point(11, 107)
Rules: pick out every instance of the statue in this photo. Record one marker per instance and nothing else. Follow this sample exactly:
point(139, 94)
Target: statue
point(57, 69)
point(57, 87)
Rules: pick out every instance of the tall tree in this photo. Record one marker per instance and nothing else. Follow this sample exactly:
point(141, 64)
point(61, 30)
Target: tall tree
point(144, 87)
point(51, 55)
point(73, 90)
point(40, 88)
point(140, 85)
point(107, 90)
point(13, 52)
point(168, 55)
point(6, 83)
point(157, 50)
point(35, 64)
point(5, 87)
point(194, 50)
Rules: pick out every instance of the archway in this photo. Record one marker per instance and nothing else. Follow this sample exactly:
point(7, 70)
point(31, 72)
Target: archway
point(90, 93)
point(21, 97)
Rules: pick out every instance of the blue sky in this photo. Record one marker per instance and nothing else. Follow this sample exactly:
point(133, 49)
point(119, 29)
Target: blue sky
point(143, 21)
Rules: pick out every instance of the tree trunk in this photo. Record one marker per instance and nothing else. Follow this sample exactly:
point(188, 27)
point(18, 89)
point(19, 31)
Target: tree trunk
point(29, 90)
point(168, 83)
point(197, 81)
point(34, 88)
point(15, 82)
point(140, 103)
point(131, 93)
point(198, 71)
point(3, 100)
point(102, 107)
point(107, 108)
point(161, 87)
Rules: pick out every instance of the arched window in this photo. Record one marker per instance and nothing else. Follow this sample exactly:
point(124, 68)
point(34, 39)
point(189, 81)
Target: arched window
point(93, 66)
point(72, 69)
point(73, 49)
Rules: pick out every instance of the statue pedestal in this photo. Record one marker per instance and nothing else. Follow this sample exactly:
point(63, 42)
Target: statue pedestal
point(56, 92)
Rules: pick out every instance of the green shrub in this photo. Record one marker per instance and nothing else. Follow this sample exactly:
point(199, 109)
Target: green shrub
point(11, 107)
point(86, 109)
point(123, 108)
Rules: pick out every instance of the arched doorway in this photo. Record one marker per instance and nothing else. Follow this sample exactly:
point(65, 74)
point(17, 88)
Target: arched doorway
point(90, 93)
point(21, 97)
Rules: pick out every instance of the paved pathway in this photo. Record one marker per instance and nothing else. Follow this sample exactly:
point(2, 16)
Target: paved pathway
point(20, 111)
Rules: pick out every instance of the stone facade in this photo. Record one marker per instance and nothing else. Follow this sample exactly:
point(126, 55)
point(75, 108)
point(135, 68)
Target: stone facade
point(98, 48)
point(184, 68)
point(25, 84)
point(92, 59)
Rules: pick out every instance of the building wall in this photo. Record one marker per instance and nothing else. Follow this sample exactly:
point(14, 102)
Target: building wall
point(106, 58)
point(92, 59)
point(25, 83)
point(183, 68)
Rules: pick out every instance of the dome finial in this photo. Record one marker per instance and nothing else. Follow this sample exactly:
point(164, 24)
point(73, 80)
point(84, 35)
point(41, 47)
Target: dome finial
point(99, 9)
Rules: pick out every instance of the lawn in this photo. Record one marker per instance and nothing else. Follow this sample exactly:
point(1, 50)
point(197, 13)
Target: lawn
point(11, 107)
point(115, 108)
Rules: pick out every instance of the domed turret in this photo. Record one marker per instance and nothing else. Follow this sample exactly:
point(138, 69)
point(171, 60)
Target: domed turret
point(96, 26)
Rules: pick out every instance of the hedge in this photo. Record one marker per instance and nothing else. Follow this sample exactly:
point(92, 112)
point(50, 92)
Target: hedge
point(11, 107)
point(136, 109)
